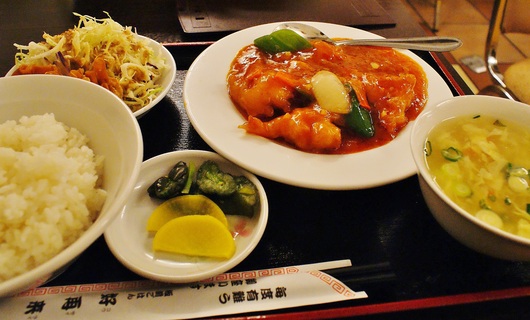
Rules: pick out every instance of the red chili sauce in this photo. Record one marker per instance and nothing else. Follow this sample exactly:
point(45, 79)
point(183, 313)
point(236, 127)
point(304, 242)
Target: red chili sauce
point(273, 91)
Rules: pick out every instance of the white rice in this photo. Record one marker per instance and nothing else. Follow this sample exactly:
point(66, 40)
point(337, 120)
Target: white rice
point(49, 191)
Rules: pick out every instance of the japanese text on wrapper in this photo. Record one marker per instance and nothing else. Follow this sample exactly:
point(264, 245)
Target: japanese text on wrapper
point(239, 296)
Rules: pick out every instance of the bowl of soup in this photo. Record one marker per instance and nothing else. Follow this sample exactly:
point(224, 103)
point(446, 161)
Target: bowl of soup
point(473, 159)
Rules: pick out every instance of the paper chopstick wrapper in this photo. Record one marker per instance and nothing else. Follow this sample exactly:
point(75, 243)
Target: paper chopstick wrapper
point(228, 293)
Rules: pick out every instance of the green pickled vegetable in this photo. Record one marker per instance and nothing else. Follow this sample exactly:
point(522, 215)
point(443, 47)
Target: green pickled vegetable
point(189, 182)
point(212, 181)
point(235, 195)
point(163, 188)
point(179, 173)
point(359, 119)
point(243, 202)
point(172, 185)
point(282, 41)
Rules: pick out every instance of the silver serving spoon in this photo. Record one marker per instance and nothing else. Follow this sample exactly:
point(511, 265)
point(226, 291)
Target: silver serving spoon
point(438, 44)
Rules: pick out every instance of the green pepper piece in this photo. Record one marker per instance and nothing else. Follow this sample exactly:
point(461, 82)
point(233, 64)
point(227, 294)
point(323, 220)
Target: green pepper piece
point(359, 119)
point(281, 41)
point(452, 154)
point(301, 98)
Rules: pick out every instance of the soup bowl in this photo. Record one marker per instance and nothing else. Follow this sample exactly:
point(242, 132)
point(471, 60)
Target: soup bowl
point(463, 226)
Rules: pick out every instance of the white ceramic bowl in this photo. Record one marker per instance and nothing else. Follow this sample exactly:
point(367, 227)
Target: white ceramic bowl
point(113, 132)
point(464, 227)
point(166, 81)
point(130, 242)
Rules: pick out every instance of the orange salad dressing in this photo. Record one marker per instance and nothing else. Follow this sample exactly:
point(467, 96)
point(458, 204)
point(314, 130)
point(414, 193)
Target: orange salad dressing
point(273, 91)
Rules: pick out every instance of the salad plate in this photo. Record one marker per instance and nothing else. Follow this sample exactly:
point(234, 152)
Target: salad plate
point(130, 242)
point(167, 78)
point(165, 81)
point(216, 119)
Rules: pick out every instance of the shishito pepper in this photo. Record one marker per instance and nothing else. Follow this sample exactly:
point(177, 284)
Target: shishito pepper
point(281, 41)
point(172, 184)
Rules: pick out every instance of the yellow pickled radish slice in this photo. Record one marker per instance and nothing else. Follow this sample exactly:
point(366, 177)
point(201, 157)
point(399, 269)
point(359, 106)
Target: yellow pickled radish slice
point(330, 92)
point(195, 235)
point(183, 206)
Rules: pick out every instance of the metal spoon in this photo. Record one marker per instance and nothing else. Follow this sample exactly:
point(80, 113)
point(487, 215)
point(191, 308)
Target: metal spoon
point(438, 44)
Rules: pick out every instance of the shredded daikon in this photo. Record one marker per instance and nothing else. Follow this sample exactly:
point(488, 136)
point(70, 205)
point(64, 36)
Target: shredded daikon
point(133, 68)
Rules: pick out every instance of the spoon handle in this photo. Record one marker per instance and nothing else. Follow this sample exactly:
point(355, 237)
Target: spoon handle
point(438, 44)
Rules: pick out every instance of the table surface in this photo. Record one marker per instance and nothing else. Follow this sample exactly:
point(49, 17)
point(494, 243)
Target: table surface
point(401, 257)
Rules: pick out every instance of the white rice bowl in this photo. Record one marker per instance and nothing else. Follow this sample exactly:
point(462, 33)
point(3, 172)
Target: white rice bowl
point(70, 152)
point(49, 191)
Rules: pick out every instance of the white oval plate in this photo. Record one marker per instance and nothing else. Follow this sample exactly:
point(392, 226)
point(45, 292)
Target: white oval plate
point(131, 244)
point(216, 119)
point(166, 81)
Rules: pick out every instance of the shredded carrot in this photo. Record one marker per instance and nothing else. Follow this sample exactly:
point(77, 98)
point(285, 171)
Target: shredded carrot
point(36, 69)
point(360, 91)
point(288, 79)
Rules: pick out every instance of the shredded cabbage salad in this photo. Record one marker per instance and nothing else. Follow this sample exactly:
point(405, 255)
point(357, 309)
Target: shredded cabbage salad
point(102, 51)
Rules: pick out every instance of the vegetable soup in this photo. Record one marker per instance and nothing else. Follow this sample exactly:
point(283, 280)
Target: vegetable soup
point(482, 164)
